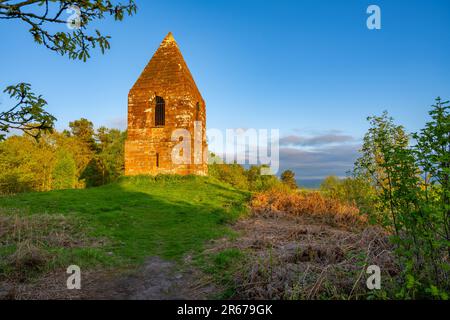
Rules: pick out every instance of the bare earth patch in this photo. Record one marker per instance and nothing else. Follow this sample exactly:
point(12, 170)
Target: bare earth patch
point(157, 279)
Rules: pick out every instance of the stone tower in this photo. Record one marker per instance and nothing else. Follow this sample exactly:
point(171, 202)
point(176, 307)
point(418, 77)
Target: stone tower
point(165, 98)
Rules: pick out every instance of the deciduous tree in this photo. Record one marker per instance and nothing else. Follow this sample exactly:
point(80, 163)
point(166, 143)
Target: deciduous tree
point(288, 178)
point(46, 24)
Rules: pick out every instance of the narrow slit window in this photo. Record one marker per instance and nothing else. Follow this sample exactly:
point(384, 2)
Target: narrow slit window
point(157, 160)
point(197, 112)
point(160, 112)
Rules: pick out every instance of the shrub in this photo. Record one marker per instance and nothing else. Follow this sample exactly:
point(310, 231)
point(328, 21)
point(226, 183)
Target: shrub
point(233, 174)
point(245, 179)
point(288, 178)
point(352, 191)
point(412, 197)
point(307, 204)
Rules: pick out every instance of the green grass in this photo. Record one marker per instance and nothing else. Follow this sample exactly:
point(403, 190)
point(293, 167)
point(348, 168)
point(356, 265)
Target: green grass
point(167, 216)
point(223, 266)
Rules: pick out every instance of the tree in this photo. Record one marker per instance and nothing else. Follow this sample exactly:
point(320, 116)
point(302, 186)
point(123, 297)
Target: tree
point(92, 175)
point(80, 151)
point(383, 144)
point(74, 159)
point(111, 153)
point(245, 179)
point(414, 208)
point(83, 129)
point(16, 173)
point(433, 153)
point(64, 171)
point(27, 114)
point(288, 178)
point(25, 164)
point(331, 185)
point(259, 182)
point(41, 17)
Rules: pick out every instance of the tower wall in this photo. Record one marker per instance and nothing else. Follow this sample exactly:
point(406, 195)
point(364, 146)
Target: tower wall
point(148, 149)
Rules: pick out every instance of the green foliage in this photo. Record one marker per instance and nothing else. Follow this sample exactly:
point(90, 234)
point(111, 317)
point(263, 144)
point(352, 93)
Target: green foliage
point(42, 17)
point(64, 171)
point(93, 174)
point(352, 191)
point(26, 164)
point(331, 185)
point(27, 114)
point(244, 179)
point(223, 266)
point(384, 151)
point(433, 155)
point(258, 182)
point(233, 174)
point(74, 159)
point(288, 178)
point(111, 153)
point(83, 129)
point(414, 208)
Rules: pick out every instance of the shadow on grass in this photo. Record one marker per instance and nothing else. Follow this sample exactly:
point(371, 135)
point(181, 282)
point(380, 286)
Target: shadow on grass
point(154, 218)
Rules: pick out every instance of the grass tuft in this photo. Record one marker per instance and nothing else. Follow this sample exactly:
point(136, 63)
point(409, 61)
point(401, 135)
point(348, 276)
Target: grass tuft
point(120, 224)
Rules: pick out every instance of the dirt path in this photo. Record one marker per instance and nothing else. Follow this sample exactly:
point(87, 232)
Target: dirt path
point(157, 279)
point(286, 258)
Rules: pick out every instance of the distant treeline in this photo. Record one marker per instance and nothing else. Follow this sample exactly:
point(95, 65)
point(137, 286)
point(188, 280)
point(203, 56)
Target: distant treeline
point(82, 157)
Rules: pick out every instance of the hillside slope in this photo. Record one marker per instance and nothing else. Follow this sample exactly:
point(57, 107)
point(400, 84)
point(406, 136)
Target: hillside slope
point(117, 225)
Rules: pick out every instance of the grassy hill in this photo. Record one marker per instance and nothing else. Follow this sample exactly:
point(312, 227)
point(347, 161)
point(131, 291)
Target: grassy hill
point(115, 225)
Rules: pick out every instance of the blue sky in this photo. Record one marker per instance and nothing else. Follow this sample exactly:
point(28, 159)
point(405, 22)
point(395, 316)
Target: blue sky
point(310, 68)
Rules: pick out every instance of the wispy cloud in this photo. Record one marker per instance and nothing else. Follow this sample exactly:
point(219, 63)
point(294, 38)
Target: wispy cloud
point(318, 140)
point(316, 156)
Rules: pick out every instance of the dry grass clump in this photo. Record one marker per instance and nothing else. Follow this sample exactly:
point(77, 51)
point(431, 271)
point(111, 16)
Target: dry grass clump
point(52, 230)
point(26, 241)
point(307, 204)
point(28, 256)
point(288, 259)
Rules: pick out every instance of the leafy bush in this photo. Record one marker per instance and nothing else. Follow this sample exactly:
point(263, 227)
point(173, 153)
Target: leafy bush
point(241, 178)
point(412, 195)
point(288, 178)
point(352, 191)
point(233, 174)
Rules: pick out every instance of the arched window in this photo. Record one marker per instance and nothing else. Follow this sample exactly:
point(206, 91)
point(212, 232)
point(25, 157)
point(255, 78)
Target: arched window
point(197, 112)
point(160, 112)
